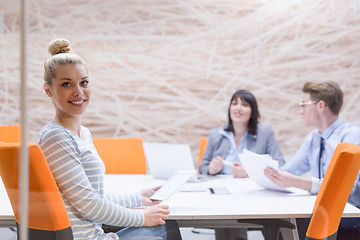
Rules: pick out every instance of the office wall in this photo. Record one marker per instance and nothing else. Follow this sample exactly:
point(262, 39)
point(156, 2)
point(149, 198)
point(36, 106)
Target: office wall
point(165, 70)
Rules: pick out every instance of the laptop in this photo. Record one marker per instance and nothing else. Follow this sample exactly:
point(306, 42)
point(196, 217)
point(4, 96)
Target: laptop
point(165, 159)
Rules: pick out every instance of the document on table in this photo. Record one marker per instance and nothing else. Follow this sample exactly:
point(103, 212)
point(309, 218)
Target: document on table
point(255, 164)
point(173, 184)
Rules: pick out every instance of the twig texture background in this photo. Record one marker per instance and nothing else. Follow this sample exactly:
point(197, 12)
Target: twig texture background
point(165, 70)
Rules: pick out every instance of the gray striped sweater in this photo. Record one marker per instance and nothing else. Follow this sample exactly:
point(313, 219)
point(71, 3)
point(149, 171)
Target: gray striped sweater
point(79, 173)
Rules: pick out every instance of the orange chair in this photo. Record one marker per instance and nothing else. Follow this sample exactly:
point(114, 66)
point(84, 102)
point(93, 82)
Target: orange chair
point(48, 219)
point(121, 155)
point(334, 192)
point(203, 143)
point(10, 133)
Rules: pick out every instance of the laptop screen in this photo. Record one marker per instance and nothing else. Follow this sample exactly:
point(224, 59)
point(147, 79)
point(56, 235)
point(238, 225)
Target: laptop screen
point(165, 159)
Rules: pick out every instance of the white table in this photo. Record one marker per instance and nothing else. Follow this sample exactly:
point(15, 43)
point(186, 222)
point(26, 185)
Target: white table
point(245, 201)
point(203, 209)
point(6, 213)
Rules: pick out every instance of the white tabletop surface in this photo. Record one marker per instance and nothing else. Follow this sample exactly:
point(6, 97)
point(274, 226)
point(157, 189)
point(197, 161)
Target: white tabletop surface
point(246, 200)
point(6, 212)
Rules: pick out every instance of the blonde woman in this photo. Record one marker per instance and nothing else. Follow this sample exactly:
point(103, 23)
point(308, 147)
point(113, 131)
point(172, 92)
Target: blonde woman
point(77, 168)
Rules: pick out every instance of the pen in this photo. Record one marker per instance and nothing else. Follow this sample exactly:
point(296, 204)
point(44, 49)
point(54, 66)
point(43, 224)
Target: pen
point(228, 163)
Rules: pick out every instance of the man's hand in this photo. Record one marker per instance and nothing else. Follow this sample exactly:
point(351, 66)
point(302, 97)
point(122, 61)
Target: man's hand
point(285, 179)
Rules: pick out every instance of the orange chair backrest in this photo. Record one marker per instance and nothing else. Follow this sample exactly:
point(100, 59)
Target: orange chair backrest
point(10, 133)
point(334, 191)
point(46, 207)
point(121, 155)
point(203, 143)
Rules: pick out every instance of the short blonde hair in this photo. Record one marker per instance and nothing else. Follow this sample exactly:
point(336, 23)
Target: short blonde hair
point(61, 55)
point(329, 92)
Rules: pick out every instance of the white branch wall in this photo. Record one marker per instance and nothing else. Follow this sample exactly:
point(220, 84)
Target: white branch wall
point(165, 70)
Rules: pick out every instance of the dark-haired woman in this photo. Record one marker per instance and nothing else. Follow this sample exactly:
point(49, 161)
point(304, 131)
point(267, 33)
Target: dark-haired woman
point(243, 131)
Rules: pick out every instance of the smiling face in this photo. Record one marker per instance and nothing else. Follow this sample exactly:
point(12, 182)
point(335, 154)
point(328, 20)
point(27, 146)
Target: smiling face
point(240, 111)
point(70, 90)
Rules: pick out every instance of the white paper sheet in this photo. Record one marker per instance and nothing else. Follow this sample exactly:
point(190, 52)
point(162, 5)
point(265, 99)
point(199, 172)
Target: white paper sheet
point(255, 164)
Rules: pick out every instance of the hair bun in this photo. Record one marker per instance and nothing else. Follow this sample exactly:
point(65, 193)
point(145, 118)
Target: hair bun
point(59, 46)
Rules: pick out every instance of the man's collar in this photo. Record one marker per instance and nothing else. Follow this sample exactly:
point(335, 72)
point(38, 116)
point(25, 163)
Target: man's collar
point(326, 134)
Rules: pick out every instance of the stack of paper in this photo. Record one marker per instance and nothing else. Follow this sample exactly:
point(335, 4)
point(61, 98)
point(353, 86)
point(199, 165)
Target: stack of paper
point(255, 164)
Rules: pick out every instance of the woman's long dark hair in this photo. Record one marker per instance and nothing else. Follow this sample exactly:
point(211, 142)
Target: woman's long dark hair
point(248, 97)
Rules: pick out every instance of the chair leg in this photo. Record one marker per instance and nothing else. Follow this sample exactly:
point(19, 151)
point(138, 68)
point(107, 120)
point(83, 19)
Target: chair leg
point(271, 233)
point(271, 226)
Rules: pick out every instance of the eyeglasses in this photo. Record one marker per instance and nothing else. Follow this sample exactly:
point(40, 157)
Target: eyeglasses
point(302, 104)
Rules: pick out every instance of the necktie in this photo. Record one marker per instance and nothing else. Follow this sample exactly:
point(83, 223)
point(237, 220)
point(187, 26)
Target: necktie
point(320, 154)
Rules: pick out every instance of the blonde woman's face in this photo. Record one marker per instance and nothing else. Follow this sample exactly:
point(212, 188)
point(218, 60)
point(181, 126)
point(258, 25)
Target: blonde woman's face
point(70, 90)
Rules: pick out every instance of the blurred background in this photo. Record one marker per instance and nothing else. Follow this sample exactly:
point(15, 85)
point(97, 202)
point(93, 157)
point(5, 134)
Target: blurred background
point(165, 70)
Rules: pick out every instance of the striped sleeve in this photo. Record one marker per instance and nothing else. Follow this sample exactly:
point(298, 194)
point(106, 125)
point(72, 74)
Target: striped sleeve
point(66, 163)
point(125, 200)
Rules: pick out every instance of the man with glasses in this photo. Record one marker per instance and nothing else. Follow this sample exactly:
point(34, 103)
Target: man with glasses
point(320, 108)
